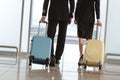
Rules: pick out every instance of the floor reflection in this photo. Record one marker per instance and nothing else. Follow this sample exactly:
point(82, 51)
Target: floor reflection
point(51, 73)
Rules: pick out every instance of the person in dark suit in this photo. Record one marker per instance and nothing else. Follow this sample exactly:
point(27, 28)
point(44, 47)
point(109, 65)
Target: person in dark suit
point(85, 19)
point(59, 14)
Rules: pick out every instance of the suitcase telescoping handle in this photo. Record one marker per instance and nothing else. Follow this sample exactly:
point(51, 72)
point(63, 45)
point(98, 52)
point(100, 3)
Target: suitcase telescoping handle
point(98, 32)
point(46, 27)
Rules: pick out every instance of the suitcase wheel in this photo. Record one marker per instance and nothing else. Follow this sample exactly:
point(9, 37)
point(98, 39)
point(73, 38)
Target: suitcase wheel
point(31, 58)
point(100, 66)
point(85, 64)
point(47, 62)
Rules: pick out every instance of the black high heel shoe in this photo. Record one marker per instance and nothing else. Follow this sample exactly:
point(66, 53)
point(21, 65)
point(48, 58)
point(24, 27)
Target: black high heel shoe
point(80, 62)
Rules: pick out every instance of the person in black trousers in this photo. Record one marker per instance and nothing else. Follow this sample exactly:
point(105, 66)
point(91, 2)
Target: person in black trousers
point(85, 18)
point(60, 13)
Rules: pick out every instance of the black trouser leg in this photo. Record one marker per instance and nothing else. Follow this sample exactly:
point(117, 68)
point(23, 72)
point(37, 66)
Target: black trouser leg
point(51, 33)
point(61, 39)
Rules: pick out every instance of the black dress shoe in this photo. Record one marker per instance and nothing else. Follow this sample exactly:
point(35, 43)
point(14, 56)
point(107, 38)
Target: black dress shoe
point(57, 61)
point(52, 62)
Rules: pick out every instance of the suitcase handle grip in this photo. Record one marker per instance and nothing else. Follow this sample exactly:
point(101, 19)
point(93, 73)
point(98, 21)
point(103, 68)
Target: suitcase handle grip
point(98, 32)
point(46, 26)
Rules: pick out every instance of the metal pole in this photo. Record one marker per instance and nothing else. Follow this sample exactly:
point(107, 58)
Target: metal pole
point(30, 15)
point(21, 26)
point(106, 22)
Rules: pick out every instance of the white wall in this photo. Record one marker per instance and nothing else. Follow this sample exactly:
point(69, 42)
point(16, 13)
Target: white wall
point(103, 17)
point(12, 32)
point(113, 28)
point(10, 19)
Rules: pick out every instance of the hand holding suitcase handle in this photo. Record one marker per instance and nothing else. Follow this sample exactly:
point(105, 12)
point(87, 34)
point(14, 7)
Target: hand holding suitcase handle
point(99, 23)
point(42, 20)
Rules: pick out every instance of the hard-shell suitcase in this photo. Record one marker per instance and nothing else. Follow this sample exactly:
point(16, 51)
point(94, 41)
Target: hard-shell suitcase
point(40, 49)
point(94, 52)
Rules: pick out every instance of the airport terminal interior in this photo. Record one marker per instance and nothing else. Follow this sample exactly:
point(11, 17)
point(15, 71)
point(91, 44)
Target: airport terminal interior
point(18, 28)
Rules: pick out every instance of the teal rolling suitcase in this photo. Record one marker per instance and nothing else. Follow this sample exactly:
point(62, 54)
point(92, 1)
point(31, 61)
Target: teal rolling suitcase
point(40, 50)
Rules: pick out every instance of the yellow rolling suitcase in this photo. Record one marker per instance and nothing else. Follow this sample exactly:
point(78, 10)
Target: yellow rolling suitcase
point(94, 53)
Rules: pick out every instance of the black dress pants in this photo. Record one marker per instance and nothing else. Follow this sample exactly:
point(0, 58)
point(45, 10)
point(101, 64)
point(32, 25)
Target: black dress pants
point(62, 28)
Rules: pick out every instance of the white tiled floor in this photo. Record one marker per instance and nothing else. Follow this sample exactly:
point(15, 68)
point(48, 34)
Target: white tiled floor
point(66, 70)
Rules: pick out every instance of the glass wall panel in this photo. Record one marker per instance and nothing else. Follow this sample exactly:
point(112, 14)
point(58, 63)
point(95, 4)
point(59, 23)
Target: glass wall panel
point(10, 26)
point(10, 20)
point(25, 25)
point(113, 28)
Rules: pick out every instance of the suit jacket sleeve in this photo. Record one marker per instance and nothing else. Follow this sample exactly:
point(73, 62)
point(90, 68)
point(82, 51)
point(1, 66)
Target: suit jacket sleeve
point(45, 7)
point(97, 8)
point(77, 9)
point(72, 3)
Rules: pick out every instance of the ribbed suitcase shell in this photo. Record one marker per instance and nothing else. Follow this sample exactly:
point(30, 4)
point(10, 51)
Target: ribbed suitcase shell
point(40, 49)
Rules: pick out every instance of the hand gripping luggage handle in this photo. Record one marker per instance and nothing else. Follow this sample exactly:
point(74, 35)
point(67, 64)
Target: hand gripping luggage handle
point(46, 28)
